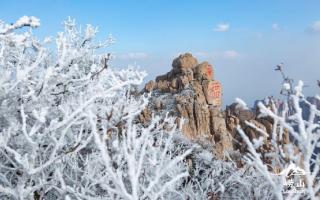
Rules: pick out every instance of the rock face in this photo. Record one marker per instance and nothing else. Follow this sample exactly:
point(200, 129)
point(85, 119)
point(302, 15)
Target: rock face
point(190, 93)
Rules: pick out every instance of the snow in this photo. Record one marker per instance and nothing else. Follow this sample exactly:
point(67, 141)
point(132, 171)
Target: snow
point(34, 22)
point(41, 116)
point(241, 104)
point(298, 88)
point(25, 20)
point(222, 187)
point(21, 22)
point(115, 144)
point(286, 86)
point(258, 142)
point(90, 31)
point(47, 40)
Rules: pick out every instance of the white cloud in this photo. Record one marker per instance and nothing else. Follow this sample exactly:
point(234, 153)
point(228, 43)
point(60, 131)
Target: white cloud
point(133, 56)
point(218, 55)
point(230, 54)
point(275, 27)
point(222, 27)
point(314, 27)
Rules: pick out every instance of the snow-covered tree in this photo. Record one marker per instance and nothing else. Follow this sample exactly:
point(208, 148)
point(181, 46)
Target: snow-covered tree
point(68, 125)
point(69, 129)
point(301, 153)
point(215, 179)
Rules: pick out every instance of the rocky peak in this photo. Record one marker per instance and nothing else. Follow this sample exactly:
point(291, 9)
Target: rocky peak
point(184, 62)
point(190, 92)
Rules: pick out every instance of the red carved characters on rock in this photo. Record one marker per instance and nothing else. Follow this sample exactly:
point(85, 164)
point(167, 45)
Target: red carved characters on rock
point(214, 93)
point(209, 70)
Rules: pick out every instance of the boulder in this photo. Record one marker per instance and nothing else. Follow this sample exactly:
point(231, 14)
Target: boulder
point(184, 62)
point(163, 86)
point(150, 86)
point(203, 71)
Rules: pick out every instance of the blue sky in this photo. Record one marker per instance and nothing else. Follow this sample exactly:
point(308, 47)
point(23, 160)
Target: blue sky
point(244, 40)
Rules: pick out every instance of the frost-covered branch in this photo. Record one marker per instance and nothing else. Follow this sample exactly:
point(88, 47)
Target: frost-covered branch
point(302, 151)
point(68, 123)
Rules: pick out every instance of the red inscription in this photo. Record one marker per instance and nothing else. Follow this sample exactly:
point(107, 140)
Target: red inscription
point(214, 93)
point(215, 90)
point(209, 71)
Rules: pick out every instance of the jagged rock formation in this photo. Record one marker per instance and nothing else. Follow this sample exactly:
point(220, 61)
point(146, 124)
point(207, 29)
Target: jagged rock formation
point(237, 116)
point(190, 92)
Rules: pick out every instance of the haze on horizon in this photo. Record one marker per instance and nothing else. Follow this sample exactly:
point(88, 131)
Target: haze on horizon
point(243, 40)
